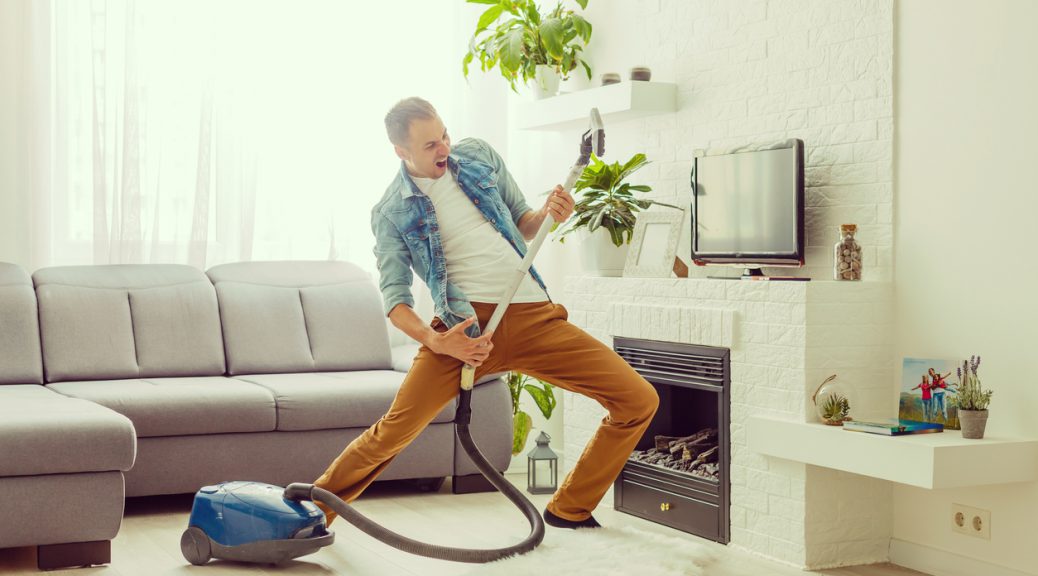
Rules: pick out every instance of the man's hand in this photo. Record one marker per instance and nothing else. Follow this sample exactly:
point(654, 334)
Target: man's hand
point(455, 343)
point(559, 205)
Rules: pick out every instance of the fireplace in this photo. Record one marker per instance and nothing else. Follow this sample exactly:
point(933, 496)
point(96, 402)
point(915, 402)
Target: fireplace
point(678, 474)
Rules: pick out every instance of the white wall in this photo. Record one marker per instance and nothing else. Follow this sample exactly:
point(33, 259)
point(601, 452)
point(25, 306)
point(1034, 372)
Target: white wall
point(756, 71)
point(14, 215)
point(966, 100)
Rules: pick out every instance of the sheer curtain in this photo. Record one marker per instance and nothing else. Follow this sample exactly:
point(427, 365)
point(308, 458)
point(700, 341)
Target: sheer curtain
point(202, 132)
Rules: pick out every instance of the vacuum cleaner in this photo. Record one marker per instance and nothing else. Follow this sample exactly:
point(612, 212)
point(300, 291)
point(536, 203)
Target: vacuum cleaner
point(263, 523)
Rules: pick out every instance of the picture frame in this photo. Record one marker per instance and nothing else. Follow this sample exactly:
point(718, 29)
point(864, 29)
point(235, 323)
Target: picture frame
point(922, 400)
point(654, 244)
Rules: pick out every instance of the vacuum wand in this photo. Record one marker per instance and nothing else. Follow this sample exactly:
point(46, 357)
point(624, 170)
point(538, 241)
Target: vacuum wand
point(592, 141)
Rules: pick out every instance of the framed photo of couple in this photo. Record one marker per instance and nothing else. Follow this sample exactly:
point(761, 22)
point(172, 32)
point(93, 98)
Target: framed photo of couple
point(929, 392)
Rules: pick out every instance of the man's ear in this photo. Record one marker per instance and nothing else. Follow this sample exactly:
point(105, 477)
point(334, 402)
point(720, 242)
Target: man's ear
point(401, 153)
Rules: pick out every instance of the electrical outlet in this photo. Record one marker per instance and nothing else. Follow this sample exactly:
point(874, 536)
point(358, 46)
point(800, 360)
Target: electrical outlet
point(971, 521)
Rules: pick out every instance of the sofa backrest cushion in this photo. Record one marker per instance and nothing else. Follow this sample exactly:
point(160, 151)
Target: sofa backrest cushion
point(128, 321)
point(300, 316)
point(20, 358)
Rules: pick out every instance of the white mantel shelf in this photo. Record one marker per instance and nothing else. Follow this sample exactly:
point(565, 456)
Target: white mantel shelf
point(943, 460)
point(626, 100)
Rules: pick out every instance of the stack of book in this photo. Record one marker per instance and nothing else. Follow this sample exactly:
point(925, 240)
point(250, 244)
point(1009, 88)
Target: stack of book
point(893, 427)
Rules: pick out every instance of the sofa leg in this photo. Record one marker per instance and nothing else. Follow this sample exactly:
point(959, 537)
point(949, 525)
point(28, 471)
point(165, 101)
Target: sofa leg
point(73, 554)
point(470, 484)
point(430, 484)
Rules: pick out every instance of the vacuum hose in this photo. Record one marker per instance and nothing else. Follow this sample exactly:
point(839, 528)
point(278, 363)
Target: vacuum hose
point(300, 491)
point(593, 141)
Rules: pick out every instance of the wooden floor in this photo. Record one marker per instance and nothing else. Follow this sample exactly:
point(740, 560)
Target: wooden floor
point(149, 540)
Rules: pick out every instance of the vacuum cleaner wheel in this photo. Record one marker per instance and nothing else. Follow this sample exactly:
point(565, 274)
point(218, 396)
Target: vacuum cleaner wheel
point(195, 545)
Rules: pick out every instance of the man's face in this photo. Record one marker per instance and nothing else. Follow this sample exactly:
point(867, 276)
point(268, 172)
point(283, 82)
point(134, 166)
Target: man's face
point(427, 149)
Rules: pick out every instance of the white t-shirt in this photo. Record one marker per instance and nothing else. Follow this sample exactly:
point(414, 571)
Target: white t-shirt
point(480, 261)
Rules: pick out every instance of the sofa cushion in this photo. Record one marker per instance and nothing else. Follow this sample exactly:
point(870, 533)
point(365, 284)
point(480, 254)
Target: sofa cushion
point(181, 406)
point(86, 333)
point(334, 399)
point(43, 432)
point(300, 317)
point(128, 321)
point(20, 358)
point(264, 329)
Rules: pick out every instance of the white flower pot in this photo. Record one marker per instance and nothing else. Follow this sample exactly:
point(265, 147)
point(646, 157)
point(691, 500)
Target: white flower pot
point(599, 256)
point(545, 82)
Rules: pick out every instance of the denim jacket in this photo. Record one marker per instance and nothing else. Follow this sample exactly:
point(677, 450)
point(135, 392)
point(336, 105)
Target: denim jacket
point(407, 234)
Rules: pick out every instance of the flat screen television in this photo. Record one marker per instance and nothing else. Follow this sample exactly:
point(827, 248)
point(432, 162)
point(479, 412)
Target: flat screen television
point(748, 207)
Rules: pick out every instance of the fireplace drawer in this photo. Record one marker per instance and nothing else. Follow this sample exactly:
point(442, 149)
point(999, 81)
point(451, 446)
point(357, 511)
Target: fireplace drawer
point(667, 508)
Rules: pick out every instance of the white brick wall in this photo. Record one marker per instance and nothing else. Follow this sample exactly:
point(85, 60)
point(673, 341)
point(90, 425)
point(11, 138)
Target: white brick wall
point(785, 338)
point(765, 70)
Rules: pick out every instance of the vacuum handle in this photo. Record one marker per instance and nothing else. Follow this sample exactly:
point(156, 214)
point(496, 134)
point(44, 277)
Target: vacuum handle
point(468, 372)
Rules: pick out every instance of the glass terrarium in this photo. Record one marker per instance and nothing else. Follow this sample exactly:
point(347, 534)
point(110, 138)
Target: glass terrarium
point(832, 402)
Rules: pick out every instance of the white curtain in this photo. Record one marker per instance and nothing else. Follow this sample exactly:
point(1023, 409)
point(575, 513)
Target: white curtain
point(202, 132)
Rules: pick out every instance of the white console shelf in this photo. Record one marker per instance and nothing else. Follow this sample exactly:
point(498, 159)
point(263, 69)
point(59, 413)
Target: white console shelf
point(942, 460)
point(626, 100)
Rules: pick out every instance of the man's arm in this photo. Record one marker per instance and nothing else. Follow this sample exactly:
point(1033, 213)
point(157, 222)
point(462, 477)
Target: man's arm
point(559, 204)
point(453, 342)
point(530, 223)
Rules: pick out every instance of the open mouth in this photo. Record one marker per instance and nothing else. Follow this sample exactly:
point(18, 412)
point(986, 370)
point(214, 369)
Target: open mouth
point(441, 164)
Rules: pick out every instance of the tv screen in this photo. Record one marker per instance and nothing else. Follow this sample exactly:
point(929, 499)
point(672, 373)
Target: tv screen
point(748, 206)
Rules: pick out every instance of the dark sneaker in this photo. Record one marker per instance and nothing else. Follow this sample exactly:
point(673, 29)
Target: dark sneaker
point(557, 522)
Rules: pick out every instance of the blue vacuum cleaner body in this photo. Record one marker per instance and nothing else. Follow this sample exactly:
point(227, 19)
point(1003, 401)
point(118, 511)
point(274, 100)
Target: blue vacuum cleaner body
point(252, 522)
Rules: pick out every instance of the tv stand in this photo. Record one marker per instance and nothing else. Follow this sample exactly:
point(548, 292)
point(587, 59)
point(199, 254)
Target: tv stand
point(758, 274)
point(753, 274)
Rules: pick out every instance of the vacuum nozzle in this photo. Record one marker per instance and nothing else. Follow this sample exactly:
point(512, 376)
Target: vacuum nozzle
point(597, 133)
point(594, 139)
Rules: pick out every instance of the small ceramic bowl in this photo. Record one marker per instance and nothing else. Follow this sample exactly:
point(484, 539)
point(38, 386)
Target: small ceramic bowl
point(641, 73)
point(610, 78)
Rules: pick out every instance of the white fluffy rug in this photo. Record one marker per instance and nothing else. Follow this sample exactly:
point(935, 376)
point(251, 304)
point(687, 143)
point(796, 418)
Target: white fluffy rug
point(605, 551)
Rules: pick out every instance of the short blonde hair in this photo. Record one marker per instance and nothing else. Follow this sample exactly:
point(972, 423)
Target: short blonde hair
point(400, 116)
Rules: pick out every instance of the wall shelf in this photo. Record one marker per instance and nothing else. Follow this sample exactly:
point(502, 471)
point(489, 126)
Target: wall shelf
point(616, 103)
point(943, 460)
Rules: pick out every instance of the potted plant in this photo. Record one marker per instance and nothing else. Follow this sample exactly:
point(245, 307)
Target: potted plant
point(529, 45)
point(542, 393)
point(973, 399)
point(606, 209)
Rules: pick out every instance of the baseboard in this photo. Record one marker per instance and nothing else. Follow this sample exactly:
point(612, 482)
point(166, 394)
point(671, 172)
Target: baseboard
point(943, 563)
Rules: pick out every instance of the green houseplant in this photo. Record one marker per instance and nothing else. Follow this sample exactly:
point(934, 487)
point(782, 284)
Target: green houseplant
point(607, 208)
point(523, 39)
point(543, 395)
point(973, 399)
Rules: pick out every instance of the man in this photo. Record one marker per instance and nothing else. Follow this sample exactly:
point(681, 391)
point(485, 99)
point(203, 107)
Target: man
point(456, 217)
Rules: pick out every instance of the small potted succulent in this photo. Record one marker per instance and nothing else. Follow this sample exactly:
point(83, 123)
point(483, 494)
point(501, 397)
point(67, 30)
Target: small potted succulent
point(973, 399)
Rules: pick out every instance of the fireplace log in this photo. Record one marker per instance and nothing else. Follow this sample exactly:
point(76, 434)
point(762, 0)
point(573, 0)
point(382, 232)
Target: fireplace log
point(691, 451)
point(663, 442)
point(707, 456)
point(677, 444)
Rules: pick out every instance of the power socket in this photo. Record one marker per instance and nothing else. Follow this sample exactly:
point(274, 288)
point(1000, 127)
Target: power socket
point(971, 521)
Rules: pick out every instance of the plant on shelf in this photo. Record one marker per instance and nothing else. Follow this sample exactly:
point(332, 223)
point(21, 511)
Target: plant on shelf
point(835, 410)
point(832, 402)
point(973, 399)
point(607, 201)
point(526, 39)
point(543, 395)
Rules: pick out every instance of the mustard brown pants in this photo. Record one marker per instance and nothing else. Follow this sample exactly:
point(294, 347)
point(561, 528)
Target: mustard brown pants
point(537, 340)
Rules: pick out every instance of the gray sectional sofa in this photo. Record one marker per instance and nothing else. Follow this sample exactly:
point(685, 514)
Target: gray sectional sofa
point(136, 380)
